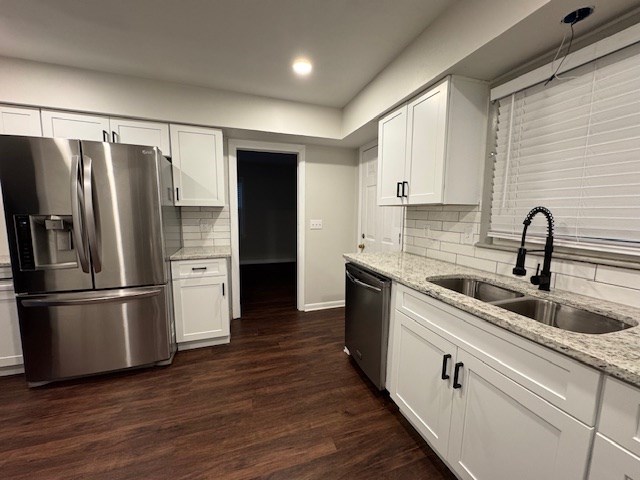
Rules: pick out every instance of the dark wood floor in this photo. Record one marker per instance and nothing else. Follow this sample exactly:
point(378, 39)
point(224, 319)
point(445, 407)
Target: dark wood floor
point(282, 401)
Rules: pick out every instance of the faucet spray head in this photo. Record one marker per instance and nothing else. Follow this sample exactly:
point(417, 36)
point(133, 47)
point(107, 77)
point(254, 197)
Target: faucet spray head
point(519, 269)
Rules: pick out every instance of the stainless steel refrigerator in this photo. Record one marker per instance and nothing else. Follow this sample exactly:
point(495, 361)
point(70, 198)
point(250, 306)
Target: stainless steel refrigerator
point(91, 227)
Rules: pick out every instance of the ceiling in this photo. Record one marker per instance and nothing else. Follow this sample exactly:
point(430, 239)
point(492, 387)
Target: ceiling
point(537, 38)
point(243, 46)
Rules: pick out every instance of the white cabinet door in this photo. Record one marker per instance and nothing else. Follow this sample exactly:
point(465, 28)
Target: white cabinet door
point(502, 431)
point(424, 397)
point(137, 132)
point(201, 308)
point(198, 166)
point(20, 121)
point(426, 146)
point(10, 346)
point(75, 125)
point(392, 140)
point(612, 462)
point(619, 419)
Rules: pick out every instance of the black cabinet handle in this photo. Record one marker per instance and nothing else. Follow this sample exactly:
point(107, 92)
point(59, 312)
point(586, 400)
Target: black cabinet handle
point(177, 194)
point(398, 189)
point(105, 136)
point(456, 374)
point(198, 268)
point(223, 289)
point(113, 136)
point(445, 361)
point(403, 192)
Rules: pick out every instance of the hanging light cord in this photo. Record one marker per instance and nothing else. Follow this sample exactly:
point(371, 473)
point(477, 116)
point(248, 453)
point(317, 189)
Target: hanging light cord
point(555, 74)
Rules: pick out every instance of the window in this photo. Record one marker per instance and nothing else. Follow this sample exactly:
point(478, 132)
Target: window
point(573, 146)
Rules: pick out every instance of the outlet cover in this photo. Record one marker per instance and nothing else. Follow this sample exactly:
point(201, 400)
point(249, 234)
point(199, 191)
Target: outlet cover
point(467, 235)
point(315, 224)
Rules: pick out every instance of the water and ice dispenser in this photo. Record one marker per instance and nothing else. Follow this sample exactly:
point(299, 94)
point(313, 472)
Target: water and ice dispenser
point(45, 241)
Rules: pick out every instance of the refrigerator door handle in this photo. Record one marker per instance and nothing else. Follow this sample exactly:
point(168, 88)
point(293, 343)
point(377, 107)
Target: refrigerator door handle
point(90, 216)
point(77, 205)
point(88, 298)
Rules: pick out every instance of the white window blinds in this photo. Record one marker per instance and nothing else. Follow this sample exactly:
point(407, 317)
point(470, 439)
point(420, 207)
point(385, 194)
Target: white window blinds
point(573, 147)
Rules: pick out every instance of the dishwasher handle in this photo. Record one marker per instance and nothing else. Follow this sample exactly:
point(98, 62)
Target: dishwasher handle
point(362, 284)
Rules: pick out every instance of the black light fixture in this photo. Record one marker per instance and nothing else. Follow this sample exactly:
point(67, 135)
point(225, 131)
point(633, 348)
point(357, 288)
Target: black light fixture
point(578, 15)
point(569, 19)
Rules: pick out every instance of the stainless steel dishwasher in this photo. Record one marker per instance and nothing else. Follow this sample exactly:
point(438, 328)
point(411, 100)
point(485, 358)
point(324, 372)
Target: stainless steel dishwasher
point(366, 330)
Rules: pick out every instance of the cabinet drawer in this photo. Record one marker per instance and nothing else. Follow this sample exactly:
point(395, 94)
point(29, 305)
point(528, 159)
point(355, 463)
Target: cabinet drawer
point(558, 379)
point(620, 414)
point(611, 462)
point(199, 268)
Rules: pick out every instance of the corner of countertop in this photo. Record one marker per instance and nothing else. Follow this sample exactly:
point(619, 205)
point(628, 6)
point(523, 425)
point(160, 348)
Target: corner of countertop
point(201, 253)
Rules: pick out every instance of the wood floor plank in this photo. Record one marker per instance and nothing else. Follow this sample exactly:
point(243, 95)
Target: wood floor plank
point(281, 401)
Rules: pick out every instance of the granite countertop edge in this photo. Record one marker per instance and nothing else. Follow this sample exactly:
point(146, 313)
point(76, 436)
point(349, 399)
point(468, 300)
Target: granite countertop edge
point(616, 354)
point(201, 253)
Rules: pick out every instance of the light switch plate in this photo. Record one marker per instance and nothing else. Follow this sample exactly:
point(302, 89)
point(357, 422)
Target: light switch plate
point(467, 235)
point(315, 224)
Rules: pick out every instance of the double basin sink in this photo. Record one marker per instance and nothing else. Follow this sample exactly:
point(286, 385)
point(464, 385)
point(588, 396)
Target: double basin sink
point(541, 310)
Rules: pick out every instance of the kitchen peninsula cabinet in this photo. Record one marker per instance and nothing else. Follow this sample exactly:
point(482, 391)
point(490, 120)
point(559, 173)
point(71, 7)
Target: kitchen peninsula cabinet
point(201, 302)
point(20, 121)
point(432, 148)
point(198, 166)
point(483, 398)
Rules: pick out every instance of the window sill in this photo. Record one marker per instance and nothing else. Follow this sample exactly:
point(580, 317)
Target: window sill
point(629, 262)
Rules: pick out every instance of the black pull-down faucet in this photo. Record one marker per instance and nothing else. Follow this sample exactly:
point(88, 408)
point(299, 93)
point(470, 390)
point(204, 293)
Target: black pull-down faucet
point(543, 279)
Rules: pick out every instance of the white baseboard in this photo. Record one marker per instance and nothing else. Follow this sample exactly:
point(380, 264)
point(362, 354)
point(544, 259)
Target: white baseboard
point(11, 370)
point(203, 343)
point(310, 307)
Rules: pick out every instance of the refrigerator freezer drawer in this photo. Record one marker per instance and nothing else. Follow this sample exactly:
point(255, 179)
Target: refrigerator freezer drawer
point(69, 335)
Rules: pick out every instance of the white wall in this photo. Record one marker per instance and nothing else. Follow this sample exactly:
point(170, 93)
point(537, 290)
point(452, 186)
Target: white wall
point(436, 232)
point(461, 30)
point(331, 186)
point(44, 85)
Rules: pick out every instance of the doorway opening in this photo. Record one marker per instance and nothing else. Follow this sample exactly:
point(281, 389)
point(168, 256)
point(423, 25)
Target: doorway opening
point(267, 229)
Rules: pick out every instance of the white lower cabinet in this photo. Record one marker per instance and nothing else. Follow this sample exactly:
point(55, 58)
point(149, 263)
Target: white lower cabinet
point(469, 402)
point(417, 384)
point(616, 451)
point(502, 431)
point(201, 303)
point(612, 462)
point(10, 346)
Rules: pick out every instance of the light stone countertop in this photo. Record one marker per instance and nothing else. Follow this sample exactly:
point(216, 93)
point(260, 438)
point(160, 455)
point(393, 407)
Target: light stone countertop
point(5, 261)
point(616, 353)
point(200, 253)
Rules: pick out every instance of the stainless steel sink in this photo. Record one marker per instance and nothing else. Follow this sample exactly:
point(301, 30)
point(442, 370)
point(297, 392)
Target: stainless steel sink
point(562, 316)
point(487, 292)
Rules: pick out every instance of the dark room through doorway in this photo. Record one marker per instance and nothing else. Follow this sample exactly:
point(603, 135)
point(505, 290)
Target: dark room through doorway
point(267, 228)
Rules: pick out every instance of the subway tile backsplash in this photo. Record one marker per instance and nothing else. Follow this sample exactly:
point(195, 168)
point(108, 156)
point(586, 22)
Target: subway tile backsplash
point(206, 226)
point(449, 232)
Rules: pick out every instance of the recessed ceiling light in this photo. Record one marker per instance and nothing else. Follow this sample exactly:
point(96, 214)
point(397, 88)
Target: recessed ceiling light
point(302, 66)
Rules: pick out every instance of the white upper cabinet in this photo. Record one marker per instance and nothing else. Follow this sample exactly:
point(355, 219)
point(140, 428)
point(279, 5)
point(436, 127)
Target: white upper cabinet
point(392, 138)
point(198, 163)
point(432, 149)
point(138, 132)
point(75, 125)
point(20, 121)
